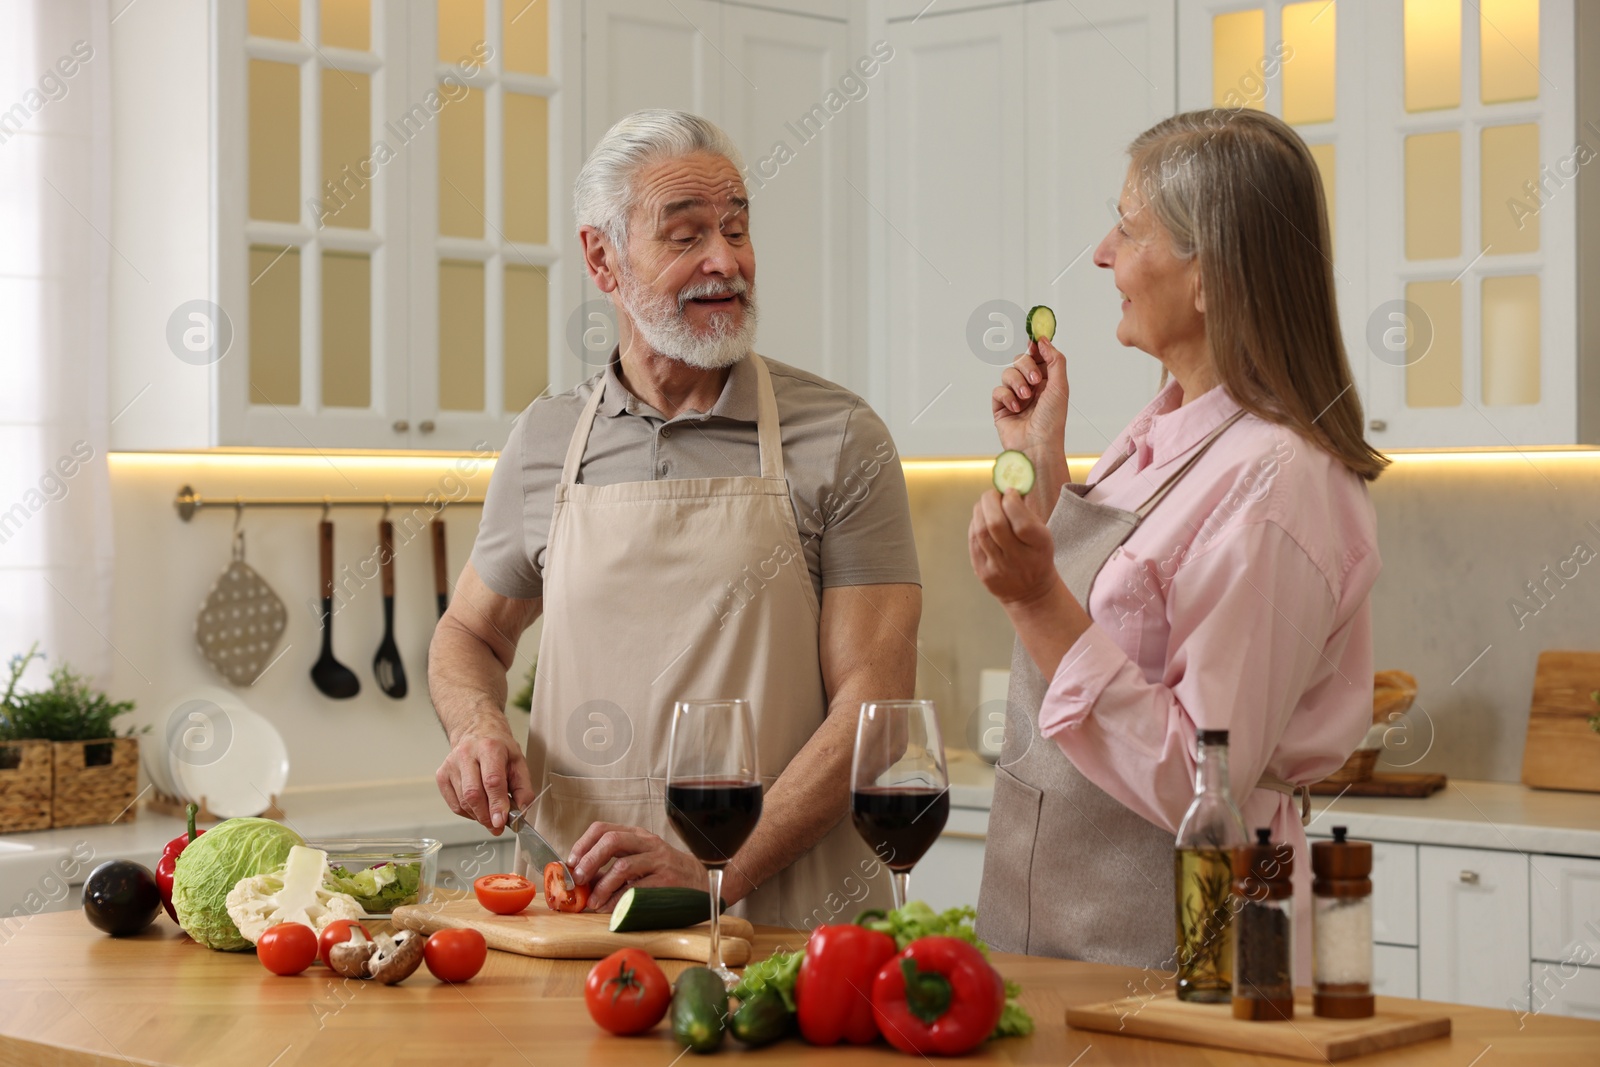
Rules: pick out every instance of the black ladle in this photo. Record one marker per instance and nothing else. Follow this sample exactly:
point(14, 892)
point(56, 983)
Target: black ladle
point(386, 665)
point(330, 676)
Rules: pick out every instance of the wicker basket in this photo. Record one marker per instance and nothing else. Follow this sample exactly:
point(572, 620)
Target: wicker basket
point(87, 794)
point(1392, 696)
point(25, 789)
point(1358, 768)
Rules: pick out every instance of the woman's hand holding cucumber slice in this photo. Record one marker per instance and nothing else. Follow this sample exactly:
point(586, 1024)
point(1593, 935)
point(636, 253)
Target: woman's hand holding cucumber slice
point(1030, 413)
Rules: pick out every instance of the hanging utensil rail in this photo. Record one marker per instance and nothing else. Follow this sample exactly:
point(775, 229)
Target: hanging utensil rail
point(188, 502)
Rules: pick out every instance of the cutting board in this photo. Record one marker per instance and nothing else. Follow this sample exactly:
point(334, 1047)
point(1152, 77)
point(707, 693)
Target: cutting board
point(1305, 1037)
point(578, 936)
point(1562, 752)
point(1384, 785)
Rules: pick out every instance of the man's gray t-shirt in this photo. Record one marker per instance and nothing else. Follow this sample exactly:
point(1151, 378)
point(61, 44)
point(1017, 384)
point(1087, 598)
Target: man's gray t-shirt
point(845, 481)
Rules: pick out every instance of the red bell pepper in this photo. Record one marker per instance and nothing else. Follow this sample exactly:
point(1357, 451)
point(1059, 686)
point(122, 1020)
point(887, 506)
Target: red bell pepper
point(169, 861)
point(833, 992)
point(939, 996)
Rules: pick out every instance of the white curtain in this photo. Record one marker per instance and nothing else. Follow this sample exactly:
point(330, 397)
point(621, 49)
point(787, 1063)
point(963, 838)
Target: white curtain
point(55, 502)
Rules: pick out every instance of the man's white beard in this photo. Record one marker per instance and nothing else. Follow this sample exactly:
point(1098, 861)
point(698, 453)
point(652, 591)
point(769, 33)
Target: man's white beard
point(661, 322)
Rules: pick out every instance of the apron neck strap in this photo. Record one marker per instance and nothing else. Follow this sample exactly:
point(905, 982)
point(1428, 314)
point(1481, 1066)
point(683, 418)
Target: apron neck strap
point(767, 431)
point(1155, 498)
point(768, 434)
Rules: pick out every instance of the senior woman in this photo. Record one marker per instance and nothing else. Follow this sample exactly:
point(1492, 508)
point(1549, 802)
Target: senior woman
point(1212, 572)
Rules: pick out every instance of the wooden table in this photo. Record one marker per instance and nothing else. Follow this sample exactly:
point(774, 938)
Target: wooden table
point(70, 995)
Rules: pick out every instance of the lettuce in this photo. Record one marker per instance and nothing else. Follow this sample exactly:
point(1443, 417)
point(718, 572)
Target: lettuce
point(378, 889)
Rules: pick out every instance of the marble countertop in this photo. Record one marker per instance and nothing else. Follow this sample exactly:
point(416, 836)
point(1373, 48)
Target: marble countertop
point(1499, 815)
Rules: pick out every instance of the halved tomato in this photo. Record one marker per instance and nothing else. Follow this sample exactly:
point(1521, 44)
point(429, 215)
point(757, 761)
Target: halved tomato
point(505, 894)
point(556, 893)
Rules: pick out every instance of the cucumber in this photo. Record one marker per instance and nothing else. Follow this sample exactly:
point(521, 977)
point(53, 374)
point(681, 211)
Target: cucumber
point(1012, 470)
point(699, 1004)
point(662, 908)
point(1041, 323)
point(762, 1019)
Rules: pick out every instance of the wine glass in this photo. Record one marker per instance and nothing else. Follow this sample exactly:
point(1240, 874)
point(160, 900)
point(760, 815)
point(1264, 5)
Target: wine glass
point(713, 793)
point(899, 788)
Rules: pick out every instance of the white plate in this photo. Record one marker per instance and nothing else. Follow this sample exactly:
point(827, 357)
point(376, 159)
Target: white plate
point(223, 751)
point(153, 755)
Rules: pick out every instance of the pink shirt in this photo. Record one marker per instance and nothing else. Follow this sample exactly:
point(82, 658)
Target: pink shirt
point(1239, 603)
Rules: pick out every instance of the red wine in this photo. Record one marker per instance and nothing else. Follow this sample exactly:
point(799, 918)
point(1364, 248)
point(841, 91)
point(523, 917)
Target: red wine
point(900, 823)
point(714, 816)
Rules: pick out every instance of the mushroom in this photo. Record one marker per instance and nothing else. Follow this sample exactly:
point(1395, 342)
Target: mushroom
point(397, 956)
point(349, 958)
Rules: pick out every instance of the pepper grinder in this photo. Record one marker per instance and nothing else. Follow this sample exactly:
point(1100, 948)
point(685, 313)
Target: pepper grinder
point(1263, 930)
point(1341, 927)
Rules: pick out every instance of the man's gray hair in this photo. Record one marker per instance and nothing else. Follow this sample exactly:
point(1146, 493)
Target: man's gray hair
point(603, 195)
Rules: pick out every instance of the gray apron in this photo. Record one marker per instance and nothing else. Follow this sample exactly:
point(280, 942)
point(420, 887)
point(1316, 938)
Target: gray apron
point(1067, 869)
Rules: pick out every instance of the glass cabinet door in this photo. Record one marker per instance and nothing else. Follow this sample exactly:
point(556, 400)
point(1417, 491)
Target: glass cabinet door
point(484, 250)
point(383, 220)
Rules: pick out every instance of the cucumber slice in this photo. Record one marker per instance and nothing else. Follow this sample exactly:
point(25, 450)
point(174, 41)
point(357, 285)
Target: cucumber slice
point(1013, 470)
point(1041, 323)
point(660, 908)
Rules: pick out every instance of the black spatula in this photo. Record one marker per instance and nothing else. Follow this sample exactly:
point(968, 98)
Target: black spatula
point(386, 665)
point(441, 574)
point(331, 677)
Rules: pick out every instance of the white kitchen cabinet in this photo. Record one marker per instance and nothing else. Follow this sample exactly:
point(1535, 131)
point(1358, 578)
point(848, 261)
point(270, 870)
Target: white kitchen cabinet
point(1394, 893)
point(949, 873)
point(773, 80)
point(1565, 891)
point(1447, 148)
point(1472, 931)
point(791, 97)
point(1119, 56)
point(1394, 971)
point(1565, 989)
point(383, 231)
point(999, 175)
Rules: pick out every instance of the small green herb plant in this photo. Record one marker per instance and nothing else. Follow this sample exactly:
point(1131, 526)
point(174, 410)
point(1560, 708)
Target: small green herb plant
point(69, 710)
point(1594, 720)
point(524, 697)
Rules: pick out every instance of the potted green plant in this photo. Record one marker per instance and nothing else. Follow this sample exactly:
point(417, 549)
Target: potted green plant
point(27, 777)
point(95, 770)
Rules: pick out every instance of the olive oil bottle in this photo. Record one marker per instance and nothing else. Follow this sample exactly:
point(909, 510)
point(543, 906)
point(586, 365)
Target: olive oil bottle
point(1203, 877)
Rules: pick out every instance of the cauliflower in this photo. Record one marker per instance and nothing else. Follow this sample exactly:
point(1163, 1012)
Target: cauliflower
point(293, 895)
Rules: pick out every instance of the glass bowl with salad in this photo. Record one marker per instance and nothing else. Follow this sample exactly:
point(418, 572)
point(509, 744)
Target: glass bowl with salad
point(382, 873)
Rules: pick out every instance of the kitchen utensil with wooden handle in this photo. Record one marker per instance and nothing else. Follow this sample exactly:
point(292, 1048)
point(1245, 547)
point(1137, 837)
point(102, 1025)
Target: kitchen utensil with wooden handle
point(386, 665)
point(331, 677)
point(441, 576)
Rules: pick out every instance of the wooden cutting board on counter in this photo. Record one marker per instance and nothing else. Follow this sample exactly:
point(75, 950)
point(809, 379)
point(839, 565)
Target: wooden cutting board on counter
point(1384, 785)
point(579, 936)
point(1562, 752)
point(1305, 1037)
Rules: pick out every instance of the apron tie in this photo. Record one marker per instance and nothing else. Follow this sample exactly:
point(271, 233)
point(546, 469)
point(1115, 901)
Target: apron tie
point(1278, 785)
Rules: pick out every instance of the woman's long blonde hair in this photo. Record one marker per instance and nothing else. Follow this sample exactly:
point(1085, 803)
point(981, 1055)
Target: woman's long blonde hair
point(1240, 190)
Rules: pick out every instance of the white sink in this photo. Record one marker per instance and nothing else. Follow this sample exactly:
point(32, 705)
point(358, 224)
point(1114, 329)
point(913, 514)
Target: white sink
point(9, 848)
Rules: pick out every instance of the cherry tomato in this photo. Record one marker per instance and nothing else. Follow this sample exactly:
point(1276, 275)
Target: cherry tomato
point(455, 955)
point(505, 894)
point(287, 948)
point(626, 992)
point(336, 933)
point(556, 893)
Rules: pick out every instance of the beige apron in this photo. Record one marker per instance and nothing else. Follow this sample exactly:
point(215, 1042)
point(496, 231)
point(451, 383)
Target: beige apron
point(1067, 869)
point(681, 589)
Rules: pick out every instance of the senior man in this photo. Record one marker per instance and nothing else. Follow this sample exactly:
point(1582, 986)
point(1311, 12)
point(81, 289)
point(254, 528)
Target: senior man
point(695, 521)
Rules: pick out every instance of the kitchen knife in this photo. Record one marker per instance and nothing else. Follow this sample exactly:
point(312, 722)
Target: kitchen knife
point(540, 854)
